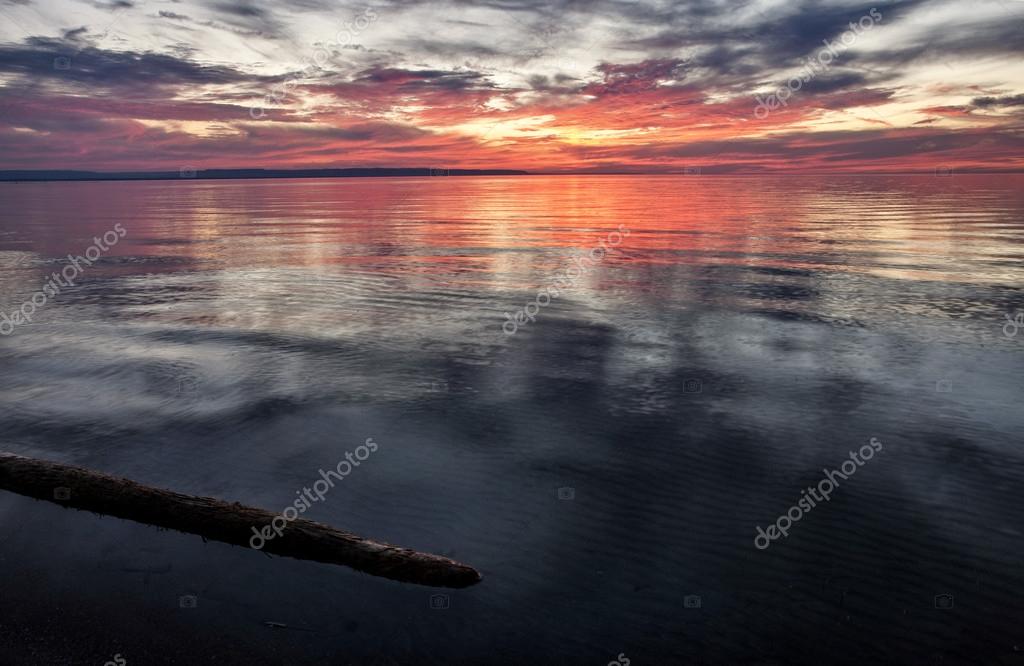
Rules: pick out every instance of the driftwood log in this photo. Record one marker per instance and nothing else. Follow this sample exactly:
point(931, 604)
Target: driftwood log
point(211, 518)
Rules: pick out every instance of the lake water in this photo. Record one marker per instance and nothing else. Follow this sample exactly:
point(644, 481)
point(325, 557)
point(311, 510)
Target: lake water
point(605, 467)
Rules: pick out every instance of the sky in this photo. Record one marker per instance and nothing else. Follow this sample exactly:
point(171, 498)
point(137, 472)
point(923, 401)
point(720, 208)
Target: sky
point(720, 86)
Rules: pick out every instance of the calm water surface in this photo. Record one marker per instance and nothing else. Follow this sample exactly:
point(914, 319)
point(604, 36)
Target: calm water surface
point(747, 333)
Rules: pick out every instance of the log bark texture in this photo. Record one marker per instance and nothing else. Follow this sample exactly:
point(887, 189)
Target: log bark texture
point(232, 523)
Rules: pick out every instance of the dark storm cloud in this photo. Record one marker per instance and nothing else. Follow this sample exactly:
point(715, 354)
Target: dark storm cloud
point(114, 5)
point(777, 39)
point(418, 79)
point(729, 61)
point(549, 11)
point(33, 61)
point(249, 17)
point(731, 40)
point(243, 10)
point(994, 38)
point(266, 19)
point(738, 53)
point(990, 102)
point(835, 82)
point(75, 34)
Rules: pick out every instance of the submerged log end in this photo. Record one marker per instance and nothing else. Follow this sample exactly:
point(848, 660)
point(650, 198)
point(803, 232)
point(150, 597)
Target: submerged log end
point(432, 570)
point(233, 523)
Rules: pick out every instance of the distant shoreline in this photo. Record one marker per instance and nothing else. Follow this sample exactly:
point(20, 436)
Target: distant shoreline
point(26, 176)
point(240, 174)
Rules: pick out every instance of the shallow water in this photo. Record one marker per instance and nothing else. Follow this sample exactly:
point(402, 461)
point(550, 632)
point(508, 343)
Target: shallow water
point(746, 334)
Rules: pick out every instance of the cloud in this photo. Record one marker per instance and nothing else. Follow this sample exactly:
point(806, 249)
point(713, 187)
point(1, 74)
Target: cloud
point(75, 34)
point(412, 80)
point(898, 149)
point(735, 42)
point(991, 102)
point(977, 38)
point(265, 19)
point(555, 85)
point(114, 5)
point(94, 69)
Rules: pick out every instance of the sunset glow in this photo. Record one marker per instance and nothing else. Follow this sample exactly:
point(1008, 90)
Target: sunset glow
point(543, 86)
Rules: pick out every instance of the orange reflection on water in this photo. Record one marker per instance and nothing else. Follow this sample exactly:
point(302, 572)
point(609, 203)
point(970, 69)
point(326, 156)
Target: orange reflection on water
point(501, 227)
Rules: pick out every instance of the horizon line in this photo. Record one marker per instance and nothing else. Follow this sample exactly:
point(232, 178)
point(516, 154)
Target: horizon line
point(264, 173)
